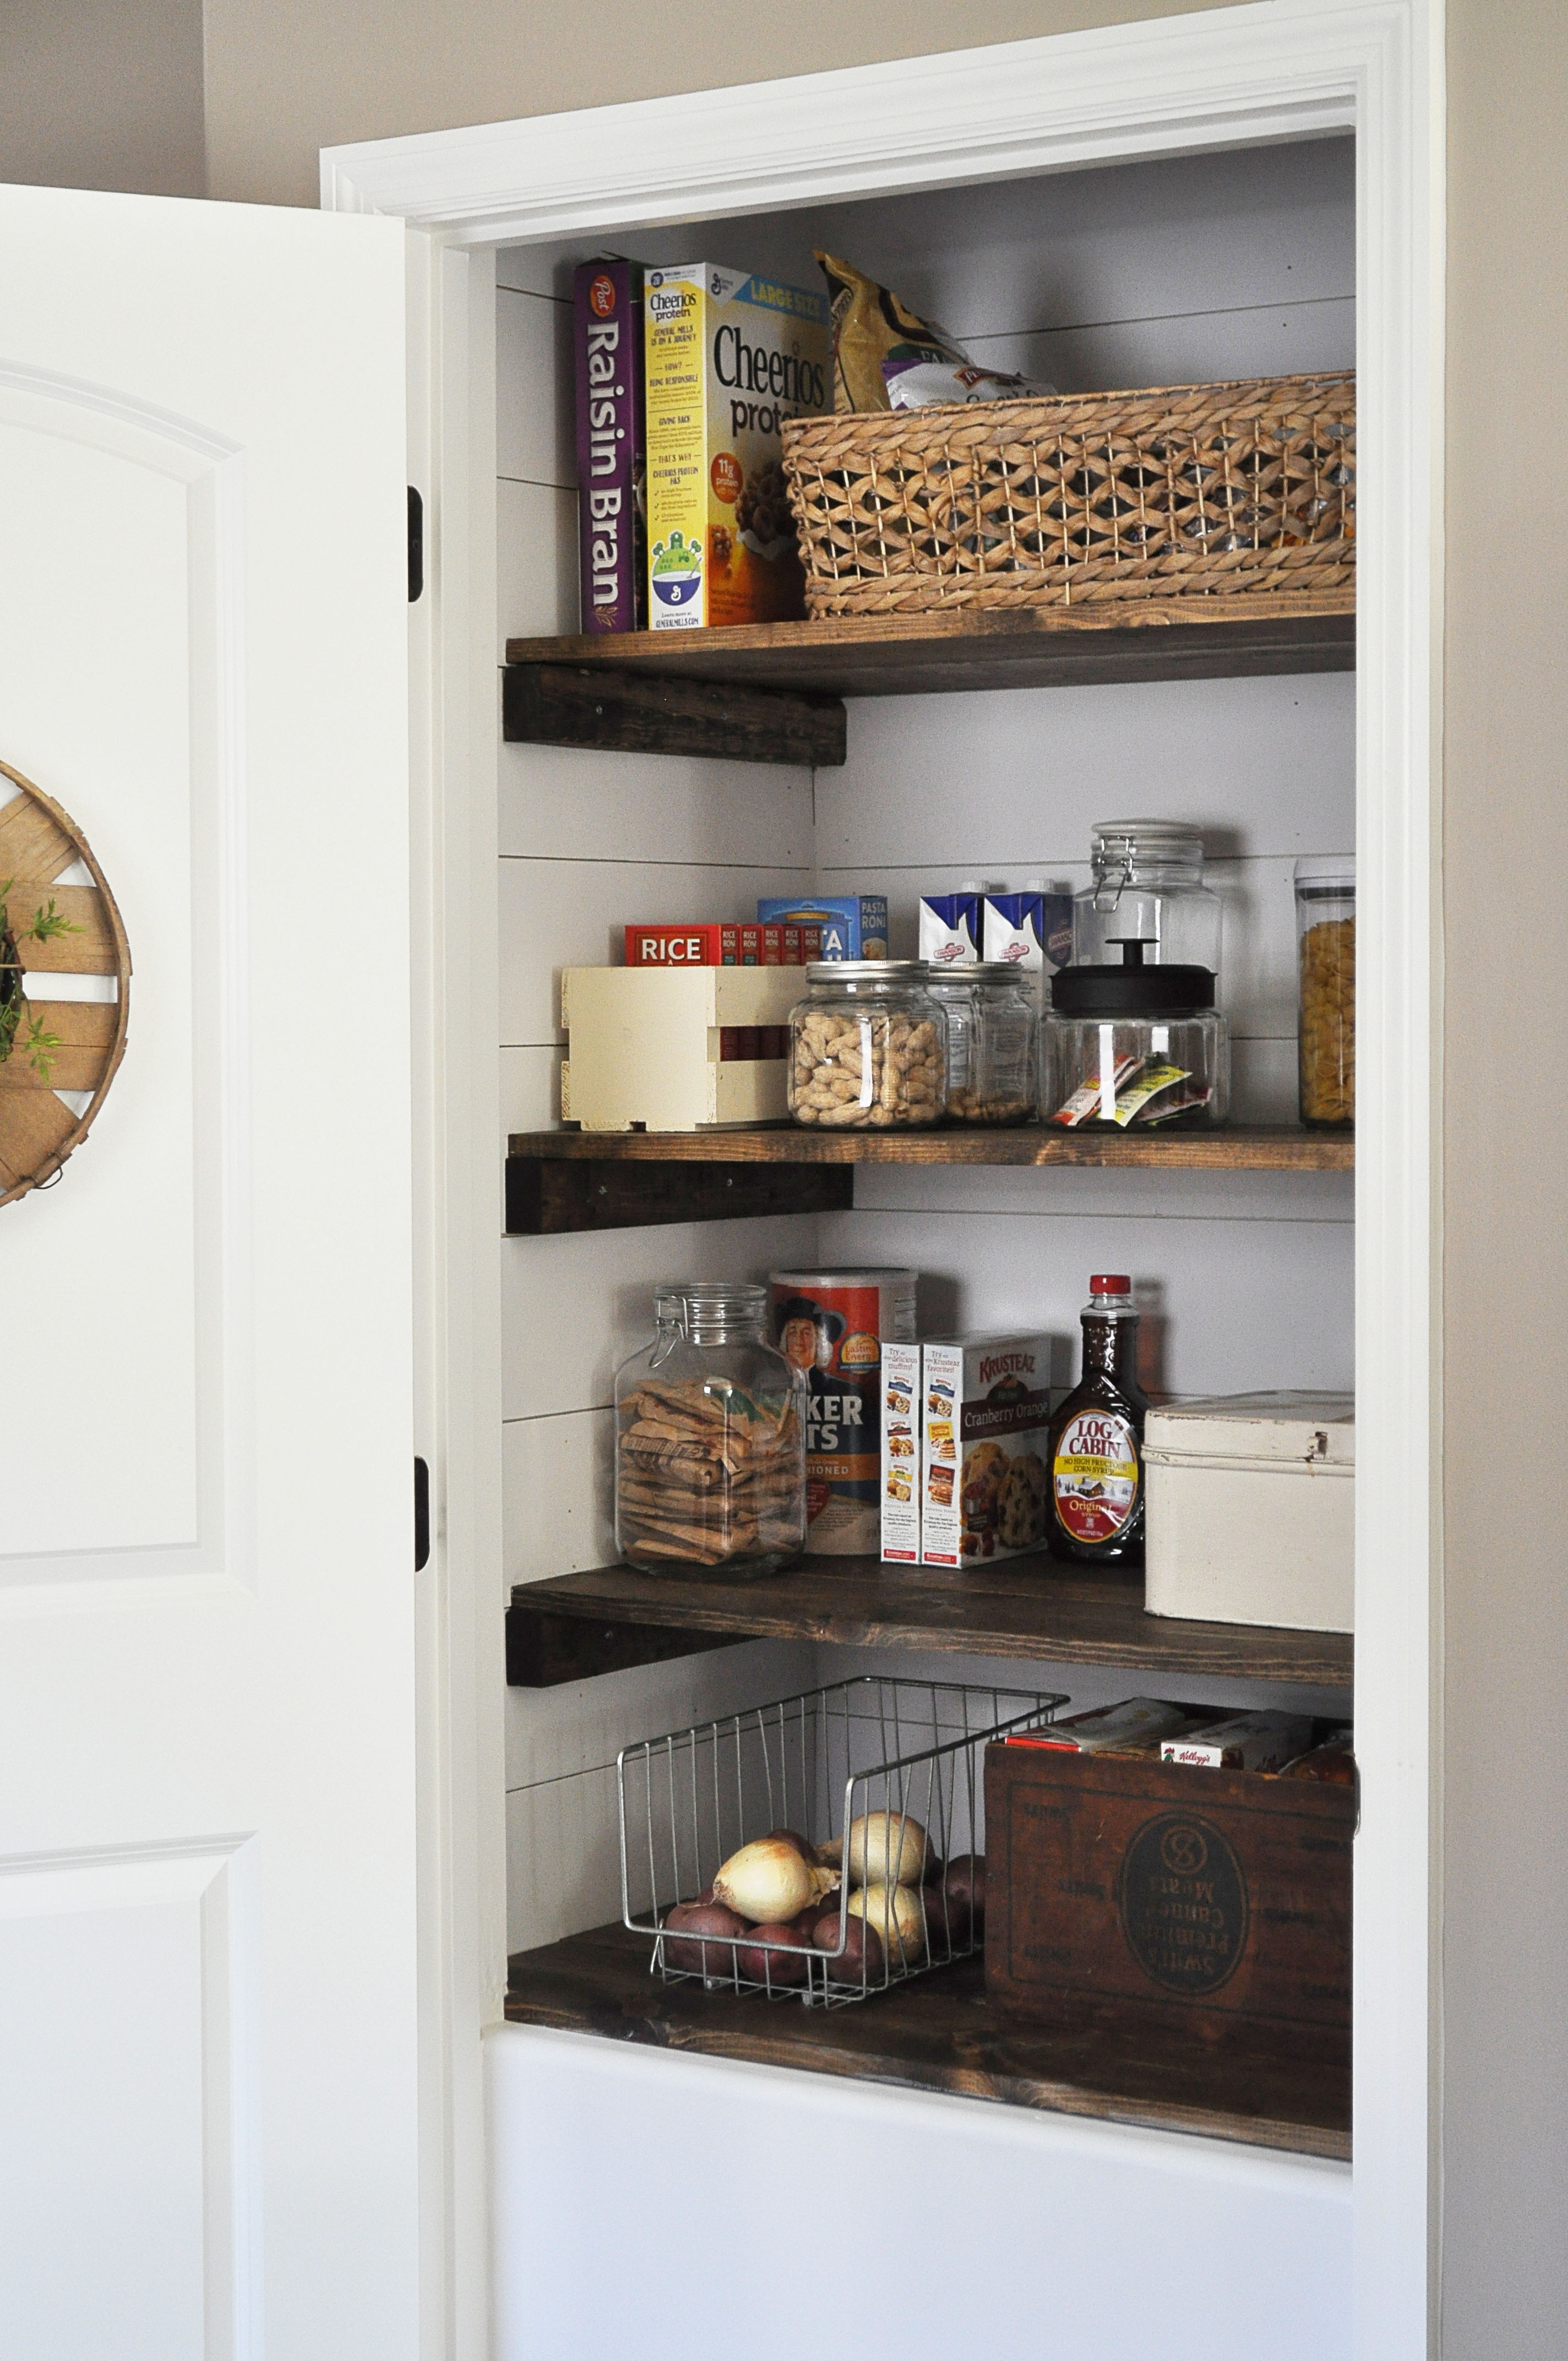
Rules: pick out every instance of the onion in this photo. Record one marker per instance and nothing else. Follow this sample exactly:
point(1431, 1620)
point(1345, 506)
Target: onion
point(769, 1881)
point(895, 1911)
point(787, 1966)
point(887, 1848)
point(947, 1920)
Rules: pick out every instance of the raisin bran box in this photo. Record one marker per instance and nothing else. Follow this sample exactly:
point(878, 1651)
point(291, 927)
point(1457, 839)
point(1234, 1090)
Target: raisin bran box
point(729, 357)
point(606, 333)
point(986, 1405)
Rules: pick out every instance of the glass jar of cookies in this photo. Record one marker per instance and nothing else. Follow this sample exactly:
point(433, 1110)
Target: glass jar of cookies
point(710, 1439)
point(1325, 927)
point(868, 1047)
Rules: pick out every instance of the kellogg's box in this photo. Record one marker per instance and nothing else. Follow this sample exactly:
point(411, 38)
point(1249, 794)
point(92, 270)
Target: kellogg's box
point(986, 1405)
point(728, 358)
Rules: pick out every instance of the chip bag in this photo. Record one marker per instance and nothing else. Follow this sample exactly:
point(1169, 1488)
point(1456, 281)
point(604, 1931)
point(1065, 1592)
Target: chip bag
point(871, 326)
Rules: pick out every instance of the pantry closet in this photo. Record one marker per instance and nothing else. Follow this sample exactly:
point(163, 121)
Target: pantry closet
point(1187, 270)
point(1237, 258)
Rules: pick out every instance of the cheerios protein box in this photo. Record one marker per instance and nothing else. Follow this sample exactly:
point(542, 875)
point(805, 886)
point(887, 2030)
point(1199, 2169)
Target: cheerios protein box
point(728, 358)
point(985, 1406)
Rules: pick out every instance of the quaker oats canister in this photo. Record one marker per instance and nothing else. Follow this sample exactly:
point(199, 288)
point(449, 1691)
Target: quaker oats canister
point(831, 1326)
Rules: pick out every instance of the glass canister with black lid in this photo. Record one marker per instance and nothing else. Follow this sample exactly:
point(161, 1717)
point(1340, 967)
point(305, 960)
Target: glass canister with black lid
point(1134, 1046)
point(1147, 886)
point(710, 1438)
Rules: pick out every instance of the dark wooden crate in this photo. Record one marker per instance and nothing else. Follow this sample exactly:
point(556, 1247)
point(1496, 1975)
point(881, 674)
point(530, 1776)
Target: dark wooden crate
point(1134, 1895)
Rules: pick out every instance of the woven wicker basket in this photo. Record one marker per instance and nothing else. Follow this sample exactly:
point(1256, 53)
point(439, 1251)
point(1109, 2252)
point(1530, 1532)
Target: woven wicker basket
point(1232, 489)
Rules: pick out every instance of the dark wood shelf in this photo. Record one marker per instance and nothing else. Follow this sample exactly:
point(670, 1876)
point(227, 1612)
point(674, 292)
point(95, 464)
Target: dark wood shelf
point(937, 2033)
point(571, 1626)
point(567, 1180)
point(968, 648)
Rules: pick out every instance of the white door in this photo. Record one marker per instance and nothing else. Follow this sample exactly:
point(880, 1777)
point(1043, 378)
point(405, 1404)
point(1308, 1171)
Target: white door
point(208, 2131)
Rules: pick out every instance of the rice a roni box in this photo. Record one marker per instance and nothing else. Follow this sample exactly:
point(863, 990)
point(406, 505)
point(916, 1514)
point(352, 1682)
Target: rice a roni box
point(728, 358)
point(986, 1402)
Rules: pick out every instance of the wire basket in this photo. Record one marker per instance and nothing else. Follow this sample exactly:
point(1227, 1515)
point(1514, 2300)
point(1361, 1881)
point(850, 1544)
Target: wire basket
point(814, 1764)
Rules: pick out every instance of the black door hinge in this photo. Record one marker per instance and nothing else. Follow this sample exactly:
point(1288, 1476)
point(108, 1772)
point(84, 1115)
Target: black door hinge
point(416, 544)
point(422, 1516)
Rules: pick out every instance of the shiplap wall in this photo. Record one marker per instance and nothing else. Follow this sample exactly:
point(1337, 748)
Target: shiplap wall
point(1181, 271)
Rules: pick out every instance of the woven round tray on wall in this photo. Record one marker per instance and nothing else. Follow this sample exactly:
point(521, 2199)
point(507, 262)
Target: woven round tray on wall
point(57, 1044)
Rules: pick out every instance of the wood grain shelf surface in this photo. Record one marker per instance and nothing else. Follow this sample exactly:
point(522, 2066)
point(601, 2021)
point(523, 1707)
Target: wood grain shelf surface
point(1235, 1148)
point(965, 648)
point(937, 2033)
point(1029, 1608)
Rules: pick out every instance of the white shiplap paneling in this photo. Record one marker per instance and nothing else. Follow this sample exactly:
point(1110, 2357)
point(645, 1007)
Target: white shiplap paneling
point(1190, 269)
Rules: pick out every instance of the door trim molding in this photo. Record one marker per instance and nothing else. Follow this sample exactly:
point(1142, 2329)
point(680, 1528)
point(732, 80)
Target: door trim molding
point(1245, 74)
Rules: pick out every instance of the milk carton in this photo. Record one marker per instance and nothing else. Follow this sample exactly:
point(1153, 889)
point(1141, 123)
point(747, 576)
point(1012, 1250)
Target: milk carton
point(986, 1405)
point(729, 357)
point(1032, 929)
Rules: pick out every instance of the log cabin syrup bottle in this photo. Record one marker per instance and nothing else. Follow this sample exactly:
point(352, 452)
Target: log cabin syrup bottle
point(1097, 1438)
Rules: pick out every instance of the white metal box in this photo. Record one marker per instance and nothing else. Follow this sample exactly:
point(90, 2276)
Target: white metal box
point(1251, 1510)
point(658, 1047)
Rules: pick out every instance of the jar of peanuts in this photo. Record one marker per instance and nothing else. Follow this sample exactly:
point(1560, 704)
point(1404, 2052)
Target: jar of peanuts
point(992, 1012)
point(1325, 925)
point(868, 1047)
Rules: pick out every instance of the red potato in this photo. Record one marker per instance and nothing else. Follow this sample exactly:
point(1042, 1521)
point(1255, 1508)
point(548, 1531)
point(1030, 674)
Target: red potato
point(776, 1968)
point(701, 1959)
point(861, 1963)
point(947, 1920)
point(963, 1881)
point(790, 1837)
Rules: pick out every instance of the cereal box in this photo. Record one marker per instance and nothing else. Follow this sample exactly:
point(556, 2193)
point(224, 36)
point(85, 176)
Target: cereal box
point(728, 358)
point(986, 1403)
point(606, 330)
point(901, 1454)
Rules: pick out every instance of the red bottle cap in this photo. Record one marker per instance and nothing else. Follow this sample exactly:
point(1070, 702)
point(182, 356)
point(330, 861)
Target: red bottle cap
point(1109, 1282)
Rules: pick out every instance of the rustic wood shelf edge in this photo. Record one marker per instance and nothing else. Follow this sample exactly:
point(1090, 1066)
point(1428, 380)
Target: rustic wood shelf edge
point(936, 2033)
point(573, 1626)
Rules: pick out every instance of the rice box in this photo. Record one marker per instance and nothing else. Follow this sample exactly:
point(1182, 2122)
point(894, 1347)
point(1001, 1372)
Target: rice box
point(728, 358)
point(986, 1405)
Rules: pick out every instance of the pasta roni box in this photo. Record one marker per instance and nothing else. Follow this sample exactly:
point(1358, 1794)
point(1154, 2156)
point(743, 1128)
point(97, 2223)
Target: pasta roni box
point(846, 926)
point(987, 1403)
point(728, 358)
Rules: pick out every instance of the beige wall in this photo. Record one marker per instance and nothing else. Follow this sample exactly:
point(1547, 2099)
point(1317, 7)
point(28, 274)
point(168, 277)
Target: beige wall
point(103, 95)
point(1506, 1272)
point(100, 92)
point(286, 78)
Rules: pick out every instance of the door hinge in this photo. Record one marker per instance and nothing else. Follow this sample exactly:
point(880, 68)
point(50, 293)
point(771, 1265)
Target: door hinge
point(422, 1516)
point(416, 544)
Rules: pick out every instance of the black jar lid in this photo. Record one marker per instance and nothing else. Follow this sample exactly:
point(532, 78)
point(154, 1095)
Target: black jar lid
point(1132, 989)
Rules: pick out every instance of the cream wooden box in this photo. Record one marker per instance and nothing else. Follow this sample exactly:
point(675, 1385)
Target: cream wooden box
point(645, 1046)
point(1251, 1510)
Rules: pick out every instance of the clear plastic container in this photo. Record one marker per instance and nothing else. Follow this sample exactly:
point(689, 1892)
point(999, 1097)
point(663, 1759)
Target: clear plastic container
point(710, 1439)
point(993, 1046)
point(1146, 887)
point(1325, 927)
point(1134, 1048)
point(868, 1047)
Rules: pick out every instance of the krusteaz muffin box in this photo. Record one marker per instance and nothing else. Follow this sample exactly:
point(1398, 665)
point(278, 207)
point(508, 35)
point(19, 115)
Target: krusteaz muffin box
point(964, 1421)
point(729, 357)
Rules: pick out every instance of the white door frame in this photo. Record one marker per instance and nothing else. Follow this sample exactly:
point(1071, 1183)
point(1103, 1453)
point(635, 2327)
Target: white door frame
point(1290, 68)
